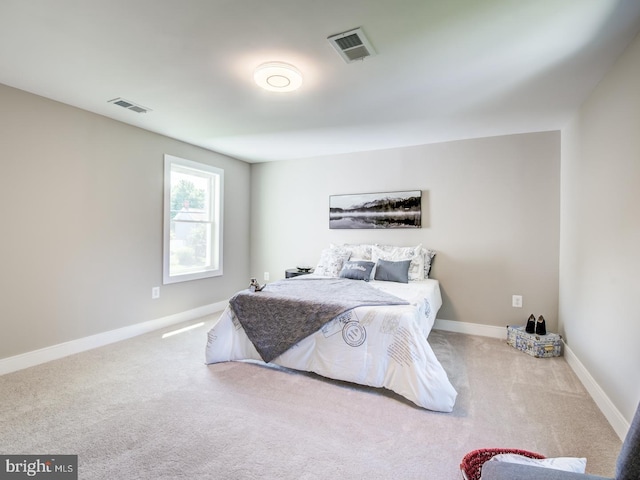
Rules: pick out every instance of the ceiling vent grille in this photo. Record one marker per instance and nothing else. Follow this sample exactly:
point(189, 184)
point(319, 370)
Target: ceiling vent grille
point(352, 45)
point(121, 102)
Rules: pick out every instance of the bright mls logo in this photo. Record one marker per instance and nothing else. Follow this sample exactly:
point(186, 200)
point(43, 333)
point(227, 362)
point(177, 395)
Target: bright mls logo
point(49, 467)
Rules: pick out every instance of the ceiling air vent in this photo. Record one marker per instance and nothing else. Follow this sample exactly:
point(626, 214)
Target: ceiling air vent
point(121, 102)
point(352, 45)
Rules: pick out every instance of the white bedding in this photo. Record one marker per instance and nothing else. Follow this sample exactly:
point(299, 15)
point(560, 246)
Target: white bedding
point(375, 346)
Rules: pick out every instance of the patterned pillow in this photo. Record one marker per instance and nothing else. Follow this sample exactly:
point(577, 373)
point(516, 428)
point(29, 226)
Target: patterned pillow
point(428, 260)
point(331, 262)
point(358, 252)
point(357, 270)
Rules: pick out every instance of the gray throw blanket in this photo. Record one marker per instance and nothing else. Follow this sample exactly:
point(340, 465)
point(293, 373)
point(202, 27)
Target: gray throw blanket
point(287, 311)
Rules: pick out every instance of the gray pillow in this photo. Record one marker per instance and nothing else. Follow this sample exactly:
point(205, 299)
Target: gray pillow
point(393, 271)
point(357, 270)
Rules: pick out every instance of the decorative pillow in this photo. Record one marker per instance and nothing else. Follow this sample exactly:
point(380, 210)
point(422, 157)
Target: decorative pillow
point(393, 271)
point(331, 261)
point(357, 270)
point(395, 254)
point(428, 260)
point(568, 464)
point(358, 252)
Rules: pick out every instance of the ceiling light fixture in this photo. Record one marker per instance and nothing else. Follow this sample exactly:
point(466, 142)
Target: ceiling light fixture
point(278, 77)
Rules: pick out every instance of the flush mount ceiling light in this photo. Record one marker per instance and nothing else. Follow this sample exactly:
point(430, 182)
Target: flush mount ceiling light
point(278, 77)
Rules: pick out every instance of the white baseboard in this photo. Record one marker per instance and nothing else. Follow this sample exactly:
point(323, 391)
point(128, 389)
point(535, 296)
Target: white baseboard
point(43, 355)
point(617, 421)
point(471, 328)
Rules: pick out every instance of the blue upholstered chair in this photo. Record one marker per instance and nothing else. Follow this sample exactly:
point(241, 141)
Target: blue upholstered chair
point(627, 466)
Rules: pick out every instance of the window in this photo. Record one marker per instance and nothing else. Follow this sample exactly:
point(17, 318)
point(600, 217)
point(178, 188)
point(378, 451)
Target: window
point(192, 244)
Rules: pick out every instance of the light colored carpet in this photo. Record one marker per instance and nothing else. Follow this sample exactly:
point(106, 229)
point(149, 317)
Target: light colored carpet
point(148, 408)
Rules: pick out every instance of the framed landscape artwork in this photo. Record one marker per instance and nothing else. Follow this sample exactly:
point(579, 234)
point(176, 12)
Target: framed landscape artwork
point(376, 210)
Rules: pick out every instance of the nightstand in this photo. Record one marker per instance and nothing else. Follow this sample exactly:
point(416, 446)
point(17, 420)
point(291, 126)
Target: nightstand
point(294, 272)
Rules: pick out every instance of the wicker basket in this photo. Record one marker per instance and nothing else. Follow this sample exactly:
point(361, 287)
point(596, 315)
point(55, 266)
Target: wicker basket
point(471, 465)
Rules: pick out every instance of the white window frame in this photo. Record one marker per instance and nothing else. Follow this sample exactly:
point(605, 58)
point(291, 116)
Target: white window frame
point(215, 177)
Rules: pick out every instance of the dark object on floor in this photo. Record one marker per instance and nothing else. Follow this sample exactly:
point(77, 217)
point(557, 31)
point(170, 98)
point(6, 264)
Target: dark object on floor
point(627, 466)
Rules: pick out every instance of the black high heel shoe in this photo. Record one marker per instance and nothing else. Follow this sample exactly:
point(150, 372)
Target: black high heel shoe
point(541, 327)
point(531, 324)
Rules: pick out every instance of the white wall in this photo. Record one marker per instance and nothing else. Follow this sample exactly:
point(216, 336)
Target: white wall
point(81, 239)
point(599, 305)
point(490, 209)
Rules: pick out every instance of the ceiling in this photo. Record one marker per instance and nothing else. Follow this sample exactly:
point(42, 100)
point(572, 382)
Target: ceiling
point(444, 70)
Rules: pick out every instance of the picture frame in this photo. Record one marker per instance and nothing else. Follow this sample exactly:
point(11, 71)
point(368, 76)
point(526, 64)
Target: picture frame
point(399, 209)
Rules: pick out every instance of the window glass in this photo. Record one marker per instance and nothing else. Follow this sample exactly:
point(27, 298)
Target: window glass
point(192, 220)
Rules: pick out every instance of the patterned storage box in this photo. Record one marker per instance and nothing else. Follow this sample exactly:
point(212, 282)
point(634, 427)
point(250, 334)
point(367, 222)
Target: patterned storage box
point(549, 345)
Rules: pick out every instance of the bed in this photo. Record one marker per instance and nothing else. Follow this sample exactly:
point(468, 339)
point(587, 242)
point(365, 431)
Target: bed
point(378, 341)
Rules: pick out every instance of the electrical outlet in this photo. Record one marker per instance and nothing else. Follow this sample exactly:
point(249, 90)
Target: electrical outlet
point(155, 292)
point(516, 301)
point(266, 276)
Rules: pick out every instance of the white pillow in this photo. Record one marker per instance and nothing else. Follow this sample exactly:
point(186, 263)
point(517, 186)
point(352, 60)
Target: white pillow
point(358, 252)
point(331, 262)
point(396, 254)
point(428, 259)
point(567, 464)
